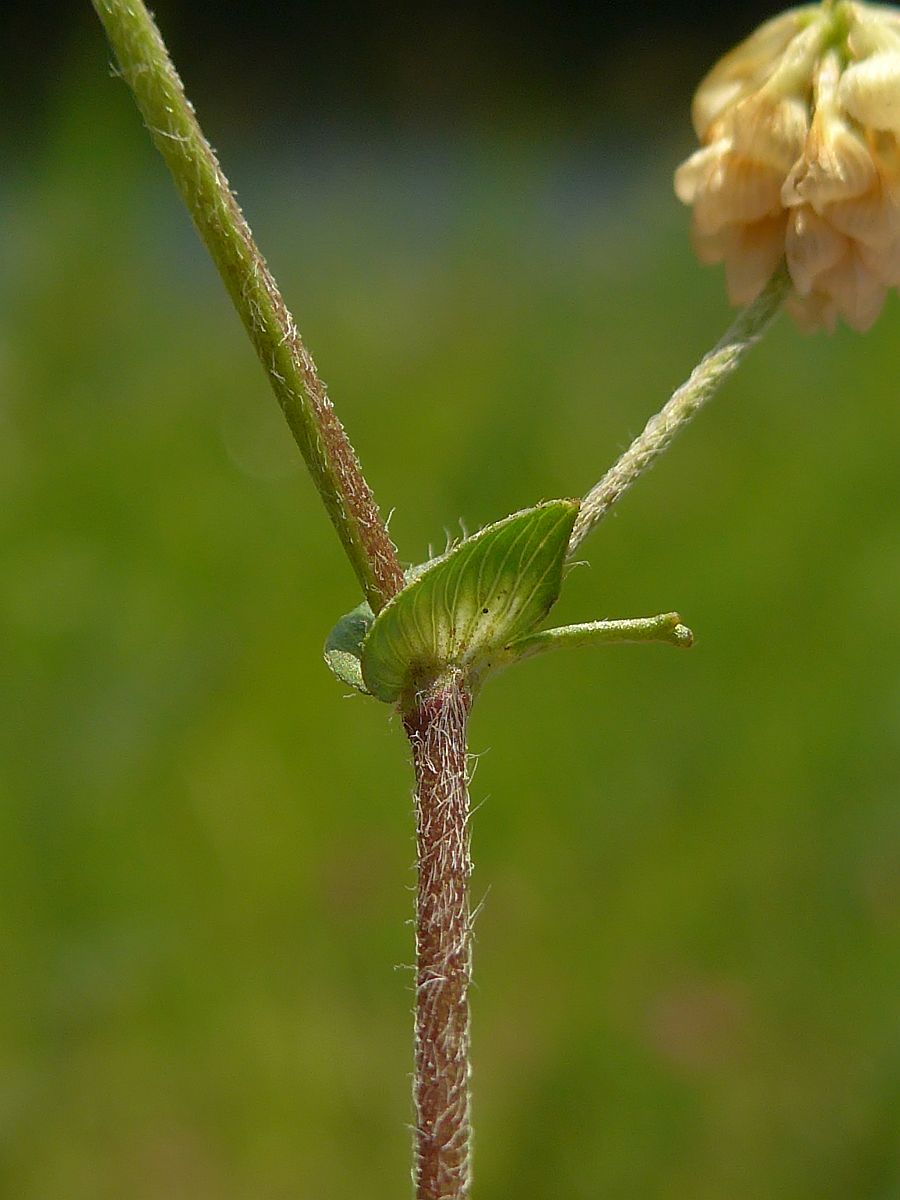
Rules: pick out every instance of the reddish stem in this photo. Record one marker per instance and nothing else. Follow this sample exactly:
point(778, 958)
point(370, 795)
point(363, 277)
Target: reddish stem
point(437, 732)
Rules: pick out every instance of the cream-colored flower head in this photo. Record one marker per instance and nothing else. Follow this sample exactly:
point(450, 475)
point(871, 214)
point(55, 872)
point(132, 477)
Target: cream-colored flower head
point(800, 159)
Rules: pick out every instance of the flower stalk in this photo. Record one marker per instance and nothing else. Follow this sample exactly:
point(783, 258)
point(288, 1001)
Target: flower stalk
point(148, 70)
point(660, 431)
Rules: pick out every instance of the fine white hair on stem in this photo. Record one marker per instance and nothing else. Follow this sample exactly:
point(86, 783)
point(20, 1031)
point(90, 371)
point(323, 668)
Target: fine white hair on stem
point(659, 432)
point(437, 732)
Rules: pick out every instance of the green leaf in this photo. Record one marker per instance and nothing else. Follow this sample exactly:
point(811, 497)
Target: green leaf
point(490, 589)
point(344, 646)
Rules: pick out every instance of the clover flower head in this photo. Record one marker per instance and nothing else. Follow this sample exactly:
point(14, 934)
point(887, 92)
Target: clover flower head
point(800, 159)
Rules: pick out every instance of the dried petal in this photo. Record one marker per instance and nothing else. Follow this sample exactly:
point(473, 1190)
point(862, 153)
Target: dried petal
point(752, 253)
point(873, 29)
point(870, 91)
point(813, 247)
point(873, 219)
point(737, 189)
point(744, 69)
point(694, 174)
point(802, 125)
point(770, 133)
point(813, 312)
point(884, 264)
point(856, 292)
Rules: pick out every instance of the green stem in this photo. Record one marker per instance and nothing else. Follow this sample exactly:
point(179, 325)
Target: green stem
point(666, 627)
point(147, 69)
point(705, 380)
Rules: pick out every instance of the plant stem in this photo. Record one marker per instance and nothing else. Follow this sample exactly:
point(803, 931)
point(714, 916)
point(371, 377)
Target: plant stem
point(436, 727)
point(146, 67)
point(705, 380)
point(665, 627)
point(437, 732)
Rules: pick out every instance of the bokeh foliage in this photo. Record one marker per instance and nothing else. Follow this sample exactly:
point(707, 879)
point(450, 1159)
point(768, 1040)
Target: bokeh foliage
point(687, 962)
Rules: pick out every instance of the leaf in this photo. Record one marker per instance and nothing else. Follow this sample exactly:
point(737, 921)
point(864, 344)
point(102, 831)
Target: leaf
point(344, 646)
point(489, 589)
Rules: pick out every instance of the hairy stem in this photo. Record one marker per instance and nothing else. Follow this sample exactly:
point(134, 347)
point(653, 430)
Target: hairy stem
point(659, 432)
point(437, 732)
point(146, 67)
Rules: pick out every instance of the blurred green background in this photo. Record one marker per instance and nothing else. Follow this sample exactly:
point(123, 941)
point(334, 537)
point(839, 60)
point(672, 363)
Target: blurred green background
point(688, 959)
